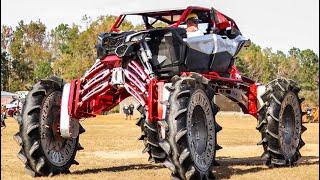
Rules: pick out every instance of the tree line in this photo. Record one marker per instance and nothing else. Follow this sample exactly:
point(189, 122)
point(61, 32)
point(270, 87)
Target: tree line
point(30, 52)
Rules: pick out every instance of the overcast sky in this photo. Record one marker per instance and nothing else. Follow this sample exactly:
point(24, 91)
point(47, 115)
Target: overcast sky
point(280, 24)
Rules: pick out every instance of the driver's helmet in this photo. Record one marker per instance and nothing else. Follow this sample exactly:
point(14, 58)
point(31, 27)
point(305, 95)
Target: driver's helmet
point(192, 17)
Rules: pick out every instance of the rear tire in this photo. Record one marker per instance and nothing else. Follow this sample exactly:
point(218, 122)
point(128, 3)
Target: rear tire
point(280, 123)
point(43, 151)
point(150, 138)
point(191, 138)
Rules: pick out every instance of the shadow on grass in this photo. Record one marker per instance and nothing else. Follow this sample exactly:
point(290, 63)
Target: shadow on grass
point(225, 170)
point(119, 168)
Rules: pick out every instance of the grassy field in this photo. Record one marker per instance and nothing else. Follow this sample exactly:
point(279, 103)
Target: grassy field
point(112, 151)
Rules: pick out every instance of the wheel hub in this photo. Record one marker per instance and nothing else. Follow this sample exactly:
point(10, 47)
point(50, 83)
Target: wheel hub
point(57, 149)
point(200, 130)
point(289, 125)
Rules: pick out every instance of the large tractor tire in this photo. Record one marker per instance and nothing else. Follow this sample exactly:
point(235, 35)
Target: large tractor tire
point(150, 138)
point(280, 123)
point(43, 151)
point(190, 141)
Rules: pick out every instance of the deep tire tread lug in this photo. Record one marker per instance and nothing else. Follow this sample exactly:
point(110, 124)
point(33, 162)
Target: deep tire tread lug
point(161, 155)
point(138, 123)
point(190, 173)
point(185, 93)
point(183, 156)
point(274, 151)
point(40, 164)
point(22, 156)
point(165, 146)
point(265, 155)
point(18, 139)
point(301, 143)
point(39, 92)
point(146, 149)
point(169, 165)
point(275, 99)
point(264, 121)
point(272, 134)
point(75, 162)
point(81, 129)
point(180, 134)
point(264, 140)
point(29, 171)
point(34, 108)
point(152, 143)
point(180, 112)
point(218, 127)
point(150, 128)
point(34, 147)
point(79, 147)
point(218, 147)
point(32, 127)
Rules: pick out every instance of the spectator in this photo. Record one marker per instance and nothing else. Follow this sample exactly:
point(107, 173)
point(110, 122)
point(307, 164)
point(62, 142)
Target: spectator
point(128, 111)
point(3, 116)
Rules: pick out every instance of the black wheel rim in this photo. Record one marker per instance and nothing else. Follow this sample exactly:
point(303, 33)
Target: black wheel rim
point(201, 131)
point(56, 149)
point(289, 125)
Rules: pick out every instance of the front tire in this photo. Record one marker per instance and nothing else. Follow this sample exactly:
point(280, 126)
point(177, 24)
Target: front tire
point(43, 151)
point(191, 137)
point(280, 123)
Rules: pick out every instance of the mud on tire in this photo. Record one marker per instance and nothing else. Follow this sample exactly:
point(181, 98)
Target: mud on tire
point(190, 142)
point(280, 123)
point(43, 151)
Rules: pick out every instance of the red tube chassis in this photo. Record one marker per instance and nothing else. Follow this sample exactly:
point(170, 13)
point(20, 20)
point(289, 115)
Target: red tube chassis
point(94, 93)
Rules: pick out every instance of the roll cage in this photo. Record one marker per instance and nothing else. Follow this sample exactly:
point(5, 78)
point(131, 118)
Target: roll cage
point(176, 17)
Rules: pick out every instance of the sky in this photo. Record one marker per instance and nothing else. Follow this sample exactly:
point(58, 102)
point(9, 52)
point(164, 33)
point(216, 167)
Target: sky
point(279, 24)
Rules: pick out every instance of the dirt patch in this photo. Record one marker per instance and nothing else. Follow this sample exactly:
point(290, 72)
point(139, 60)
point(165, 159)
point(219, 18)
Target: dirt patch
point(115, 154)
point(112, 151)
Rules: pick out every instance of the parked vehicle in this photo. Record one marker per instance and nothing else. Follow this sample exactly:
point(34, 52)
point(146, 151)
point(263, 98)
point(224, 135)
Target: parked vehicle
point(175, 78)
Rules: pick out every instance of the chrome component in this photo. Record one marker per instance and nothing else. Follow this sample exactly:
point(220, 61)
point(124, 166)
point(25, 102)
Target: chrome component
point(145, 60)
point(96, 65)
point(165, 98)
point(69, 127)
point(138, 70)
point(117, 76)
point(134, 93)
point(261, 89)
point(100, 77)
point(134, 79)
point(163, 128)
point(103, 87)
point(148, 51)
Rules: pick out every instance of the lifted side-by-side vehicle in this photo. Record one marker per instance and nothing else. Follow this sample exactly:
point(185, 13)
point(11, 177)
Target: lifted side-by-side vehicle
point(175, 79)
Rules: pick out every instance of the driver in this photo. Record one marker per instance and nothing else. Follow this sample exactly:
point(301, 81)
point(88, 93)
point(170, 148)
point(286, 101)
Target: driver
point(192, 25)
